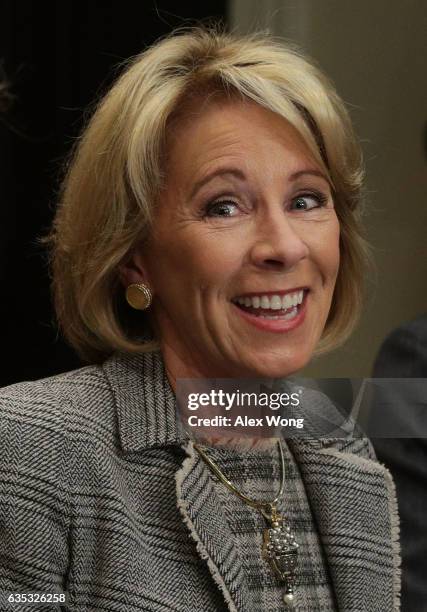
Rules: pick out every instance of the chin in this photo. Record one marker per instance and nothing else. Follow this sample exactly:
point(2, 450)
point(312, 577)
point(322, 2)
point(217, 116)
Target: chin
point(278, 367)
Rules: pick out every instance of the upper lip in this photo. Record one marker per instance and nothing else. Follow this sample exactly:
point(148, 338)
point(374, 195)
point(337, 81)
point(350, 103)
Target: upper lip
point(279, 292)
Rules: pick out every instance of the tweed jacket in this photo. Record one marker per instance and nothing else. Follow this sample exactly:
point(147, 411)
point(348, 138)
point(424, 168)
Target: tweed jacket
point(103, 496)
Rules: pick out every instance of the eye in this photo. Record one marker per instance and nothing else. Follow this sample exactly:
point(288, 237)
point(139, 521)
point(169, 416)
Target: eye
point(308, 201)
point(222, 208)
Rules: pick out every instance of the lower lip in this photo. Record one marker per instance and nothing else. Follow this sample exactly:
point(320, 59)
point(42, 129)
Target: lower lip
point(275, 325)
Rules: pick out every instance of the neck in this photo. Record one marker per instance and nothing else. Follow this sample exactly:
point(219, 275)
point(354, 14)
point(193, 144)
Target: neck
point(175, 368)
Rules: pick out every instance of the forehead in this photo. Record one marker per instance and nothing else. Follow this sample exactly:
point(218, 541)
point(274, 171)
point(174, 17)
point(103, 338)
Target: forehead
point(212, 132)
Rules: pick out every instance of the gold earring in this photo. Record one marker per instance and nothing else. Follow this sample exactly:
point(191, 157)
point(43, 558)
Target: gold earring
point(139, 296)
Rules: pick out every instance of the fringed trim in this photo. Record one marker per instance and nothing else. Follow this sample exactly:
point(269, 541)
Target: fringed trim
point(242, 443)
point(180, 476)
point(395, 538)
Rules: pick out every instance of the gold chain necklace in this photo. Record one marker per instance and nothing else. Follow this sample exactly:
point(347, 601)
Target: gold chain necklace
point(279, 549)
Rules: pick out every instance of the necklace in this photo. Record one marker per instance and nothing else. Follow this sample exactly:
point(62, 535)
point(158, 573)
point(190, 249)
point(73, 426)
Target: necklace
point(279, 549)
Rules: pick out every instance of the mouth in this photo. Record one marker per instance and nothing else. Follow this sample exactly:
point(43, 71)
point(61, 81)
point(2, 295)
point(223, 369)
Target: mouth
point(274, 311)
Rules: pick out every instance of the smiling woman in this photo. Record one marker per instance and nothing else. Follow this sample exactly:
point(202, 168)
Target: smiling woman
point(208, 227)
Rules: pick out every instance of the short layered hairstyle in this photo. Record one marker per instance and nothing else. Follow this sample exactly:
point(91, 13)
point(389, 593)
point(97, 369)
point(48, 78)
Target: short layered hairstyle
point(116, 170)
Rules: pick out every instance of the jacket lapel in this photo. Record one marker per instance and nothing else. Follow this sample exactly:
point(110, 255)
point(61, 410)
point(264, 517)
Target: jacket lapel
point(207, 523)
point(354, 504)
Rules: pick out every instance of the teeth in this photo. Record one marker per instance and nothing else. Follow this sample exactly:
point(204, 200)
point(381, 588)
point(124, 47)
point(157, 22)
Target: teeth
point(272, 302)
point(275, 303)
point(291, 314)
point(287, 301)
point(286, 317)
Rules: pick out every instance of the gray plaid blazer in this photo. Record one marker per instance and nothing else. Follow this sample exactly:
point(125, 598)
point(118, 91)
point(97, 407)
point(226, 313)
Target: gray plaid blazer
point(103, 496)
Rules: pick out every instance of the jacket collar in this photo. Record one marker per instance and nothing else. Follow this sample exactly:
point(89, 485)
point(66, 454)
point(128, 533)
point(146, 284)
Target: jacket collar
point(146, 406)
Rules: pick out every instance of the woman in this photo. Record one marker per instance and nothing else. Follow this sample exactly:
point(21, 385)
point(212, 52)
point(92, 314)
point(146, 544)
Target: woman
point(217, 188)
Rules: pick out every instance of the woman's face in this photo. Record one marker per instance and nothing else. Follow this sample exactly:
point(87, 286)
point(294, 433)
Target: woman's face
point(245, 249)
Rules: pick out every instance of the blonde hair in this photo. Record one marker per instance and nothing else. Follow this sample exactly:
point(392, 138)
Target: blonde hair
point(116, 170)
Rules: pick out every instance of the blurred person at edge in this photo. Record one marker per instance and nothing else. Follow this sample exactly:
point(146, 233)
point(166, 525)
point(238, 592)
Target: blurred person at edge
point(217, 187)
point(403, 354)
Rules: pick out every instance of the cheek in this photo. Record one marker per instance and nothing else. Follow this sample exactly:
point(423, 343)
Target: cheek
point(334, 257)
point(193, 261)
point(215, 266)
point(329, 252)
point(324, 247)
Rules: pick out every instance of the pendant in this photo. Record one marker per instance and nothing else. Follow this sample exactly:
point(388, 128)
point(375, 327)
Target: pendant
point(281, 552)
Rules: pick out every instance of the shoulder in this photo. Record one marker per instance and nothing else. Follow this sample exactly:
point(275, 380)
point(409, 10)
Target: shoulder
point(52, 432)
point(59, 405)
point(62, 385)
point(414, 330)
point(404, 351)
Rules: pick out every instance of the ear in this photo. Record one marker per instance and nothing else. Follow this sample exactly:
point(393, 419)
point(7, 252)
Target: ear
point(134, 269)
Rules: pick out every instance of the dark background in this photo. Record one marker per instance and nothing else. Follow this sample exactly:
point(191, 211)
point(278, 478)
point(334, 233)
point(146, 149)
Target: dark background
point(58, 57)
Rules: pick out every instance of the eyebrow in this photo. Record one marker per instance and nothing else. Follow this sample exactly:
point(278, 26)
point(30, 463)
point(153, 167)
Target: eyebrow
point(218, 172)
point(239, 174)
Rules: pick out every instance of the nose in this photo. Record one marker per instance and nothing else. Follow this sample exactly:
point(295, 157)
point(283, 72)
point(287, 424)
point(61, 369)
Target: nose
point(278, 243)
